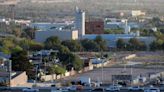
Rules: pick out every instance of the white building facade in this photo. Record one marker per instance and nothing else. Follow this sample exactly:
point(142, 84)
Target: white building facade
point(41, 36)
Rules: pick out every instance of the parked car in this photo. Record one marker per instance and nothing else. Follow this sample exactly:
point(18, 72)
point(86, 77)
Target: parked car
point(98, 90)
point(64, 89)
point(4, 88)
point(152, 89)
point(113, 88)
point(122, 83)
point(30, 90)
point(135, 88)
point(72, 88)
point(53, 85)
point(117, 85)
point(162, 83)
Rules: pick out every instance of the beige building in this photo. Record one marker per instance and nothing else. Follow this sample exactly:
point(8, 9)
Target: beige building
point(18, 78)
point(137, 13)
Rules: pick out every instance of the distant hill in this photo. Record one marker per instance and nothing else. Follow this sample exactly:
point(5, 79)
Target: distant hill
point(93, 7)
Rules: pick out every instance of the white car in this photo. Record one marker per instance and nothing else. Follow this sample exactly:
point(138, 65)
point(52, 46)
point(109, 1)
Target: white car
point(72, 88)
point(113, 88)
point(135, 88)
point(152, 90)
point(117, 85)
point(30, 90)
point(64, 89)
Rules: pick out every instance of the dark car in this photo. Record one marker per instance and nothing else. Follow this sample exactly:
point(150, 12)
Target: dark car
point(4, 88)
point(98, 90)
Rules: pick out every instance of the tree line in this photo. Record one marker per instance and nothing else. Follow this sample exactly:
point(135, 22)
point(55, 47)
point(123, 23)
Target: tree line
point(18, 49)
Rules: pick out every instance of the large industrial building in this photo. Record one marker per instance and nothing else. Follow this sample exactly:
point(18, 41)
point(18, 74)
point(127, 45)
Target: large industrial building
point(65, 31)
point(66, 34)
point(111, 39)
point(80, 27)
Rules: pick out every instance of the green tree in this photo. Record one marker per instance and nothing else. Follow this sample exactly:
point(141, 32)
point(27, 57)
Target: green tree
point(52, 42)
point(30, 32)
point(56, 69)
point(20, 62)
point(90, 45)
point(6, 45)
point(63, 54)
point(67, 58)
point(53, 56)
point(156, 22)
point(17, 31)
point(17, 49)
point(135, 44)
point(73, 45)
point(156, 45)
point(163, 46)
point(31, 45)
point(101, 42)
point(76, 62)
point(36, 46)
point(121, 45)
point(25, 44)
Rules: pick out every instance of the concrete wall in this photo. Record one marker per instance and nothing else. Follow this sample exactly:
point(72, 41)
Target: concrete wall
point(19, 79)
point(101, 64)
point(71, 73)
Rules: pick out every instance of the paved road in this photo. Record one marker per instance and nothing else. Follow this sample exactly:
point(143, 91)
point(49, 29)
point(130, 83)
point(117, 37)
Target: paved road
point(49, 90)
point(76, 91)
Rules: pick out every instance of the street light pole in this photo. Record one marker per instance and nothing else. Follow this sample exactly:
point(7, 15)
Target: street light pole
point(102, 64)
point(36, 75)
point(102, 71)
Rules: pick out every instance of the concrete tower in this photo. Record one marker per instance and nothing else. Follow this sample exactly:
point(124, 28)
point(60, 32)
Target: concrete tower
point(80, 22)
point(127, 28)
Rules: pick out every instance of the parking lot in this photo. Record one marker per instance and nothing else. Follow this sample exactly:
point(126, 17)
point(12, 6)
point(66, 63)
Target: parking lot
point(106, 73)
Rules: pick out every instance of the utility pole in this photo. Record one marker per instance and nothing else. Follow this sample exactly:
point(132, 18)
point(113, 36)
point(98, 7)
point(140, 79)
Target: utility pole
point(10, 72)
